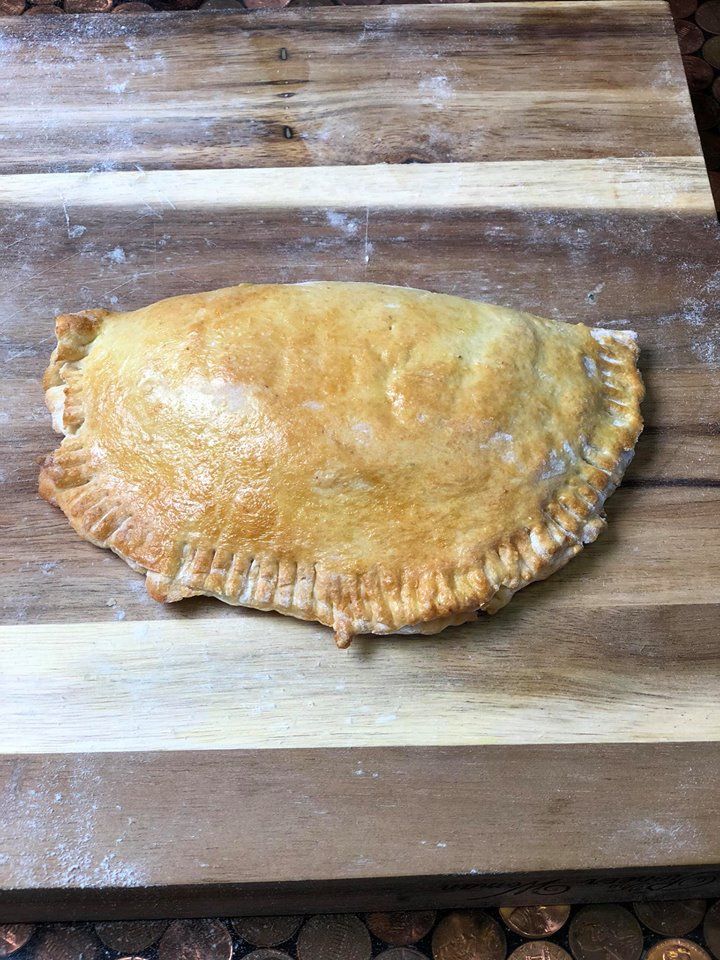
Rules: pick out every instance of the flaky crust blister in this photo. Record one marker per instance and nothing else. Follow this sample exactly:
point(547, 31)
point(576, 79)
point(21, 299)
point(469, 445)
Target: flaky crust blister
point(254, 545)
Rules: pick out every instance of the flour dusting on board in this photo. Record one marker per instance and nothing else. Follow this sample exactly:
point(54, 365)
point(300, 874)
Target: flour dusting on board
point(107, 63)
point(342, 222)
point(698, 316)
point(67, 805)
point(672, 836)
point(436, 91)
point(117, 255)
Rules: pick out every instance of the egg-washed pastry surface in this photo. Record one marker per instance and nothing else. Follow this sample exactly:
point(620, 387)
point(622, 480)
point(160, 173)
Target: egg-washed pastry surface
point(376, 458)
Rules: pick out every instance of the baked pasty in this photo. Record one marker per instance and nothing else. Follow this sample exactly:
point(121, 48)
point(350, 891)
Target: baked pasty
point(377, 458)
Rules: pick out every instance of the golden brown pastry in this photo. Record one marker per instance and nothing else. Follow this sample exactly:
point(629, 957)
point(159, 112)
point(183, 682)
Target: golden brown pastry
point(377, 458)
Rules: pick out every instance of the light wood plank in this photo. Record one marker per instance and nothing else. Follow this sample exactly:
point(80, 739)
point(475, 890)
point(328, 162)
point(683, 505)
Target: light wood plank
point(455, 83)
point(257, 682)
point(675, 184)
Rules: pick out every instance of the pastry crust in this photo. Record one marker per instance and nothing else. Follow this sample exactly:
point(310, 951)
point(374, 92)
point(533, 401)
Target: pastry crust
point(377, 458)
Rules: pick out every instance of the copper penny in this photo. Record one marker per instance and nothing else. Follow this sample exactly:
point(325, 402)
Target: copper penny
point(711, 51)
point(711, 929)
point(708, 16)
point(327, 937)
point(401, 953)
point(266, 931)
point(134, 6)
point(66, 943)
point(683, 8)
point(672, 918)
point(130, 936)
point(690, 37)
point(534, 921)
point(88, 6)
point(268, 955)
point(677, 949)
point(468, 935)
point(265, 4)
point(605, 932)
point(196, 940)
point(13, 936)
point(539, 950)
point(698, 73)
point(402, 927)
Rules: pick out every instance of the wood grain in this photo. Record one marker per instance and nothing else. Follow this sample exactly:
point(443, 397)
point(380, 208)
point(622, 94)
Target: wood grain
point(677, 183)
point(596, 674)
point(161, 834)
point(359, 86)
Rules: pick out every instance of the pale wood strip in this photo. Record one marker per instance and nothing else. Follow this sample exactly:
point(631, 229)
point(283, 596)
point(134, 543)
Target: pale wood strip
point(261, 682)
point(677, 184)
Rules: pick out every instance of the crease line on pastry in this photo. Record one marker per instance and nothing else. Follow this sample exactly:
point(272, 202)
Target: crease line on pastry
point(103, 517)
point(595, 466)
point(555, 530)
point(120, 529)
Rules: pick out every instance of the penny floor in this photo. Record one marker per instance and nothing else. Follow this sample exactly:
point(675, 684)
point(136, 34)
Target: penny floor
point(669, 930)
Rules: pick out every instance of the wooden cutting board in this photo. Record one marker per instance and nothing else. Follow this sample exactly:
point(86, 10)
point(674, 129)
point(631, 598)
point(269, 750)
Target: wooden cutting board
point(163, 760)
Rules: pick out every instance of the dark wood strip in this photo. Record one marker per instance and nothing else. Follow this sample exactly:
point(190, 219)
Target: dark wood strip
point(697, 482)
point(652, 272)
point(659, 536)
point(46, 566)
point(397, 84)
point(198, 828)
point(401, 893)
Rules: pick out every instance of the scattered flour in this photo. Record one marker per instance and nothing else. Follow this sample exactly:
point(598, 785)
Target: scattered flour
point(437, 90)
point(73, 861)
point(342, 221)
